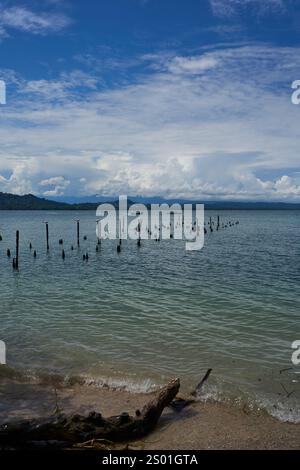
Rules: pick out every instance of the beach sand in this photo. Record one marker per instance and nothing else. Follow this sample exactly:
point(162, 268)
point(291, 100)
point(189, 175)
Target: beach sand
point(203, 425)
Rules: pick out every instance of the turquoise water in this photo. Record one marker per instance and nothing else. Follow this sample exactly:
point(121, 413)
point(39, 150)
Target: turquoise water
point(137, 318)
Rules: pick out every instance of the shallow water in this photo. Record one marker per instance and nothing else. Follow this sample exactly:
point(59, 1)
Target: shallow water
point(142, 316)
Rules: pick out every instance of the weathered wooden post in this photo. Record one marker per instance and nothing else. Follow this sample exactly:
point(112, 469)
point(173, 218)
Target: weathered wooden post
point(98, 233)
point(47, 235)
point(78, 233)
point(17, 248)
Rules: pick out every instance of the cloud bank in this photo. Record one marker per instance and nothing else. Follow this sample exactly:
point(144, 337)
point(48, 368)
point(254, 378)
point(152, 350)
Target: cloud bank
point(216, 124)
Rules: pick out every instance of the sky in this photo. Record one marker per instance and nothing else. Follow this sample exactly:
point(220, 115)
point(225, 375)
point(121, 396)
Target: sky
point(186, 99)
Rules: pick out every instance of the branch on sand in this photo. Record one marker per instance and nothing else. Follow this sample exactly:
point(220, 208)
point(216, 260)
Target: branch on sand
point(182, 402)
point(63, 431)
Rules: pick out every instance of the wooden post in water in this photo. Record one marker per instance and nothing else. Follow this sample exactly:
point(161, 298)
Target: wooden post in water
point(98, 233)
point(47, 235)
point(78, 233)
point(17, 248)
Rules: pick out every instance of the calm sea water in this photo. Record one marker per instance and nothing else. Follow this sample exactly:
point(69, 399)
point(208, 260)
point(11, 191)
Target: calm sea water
point(142, 316)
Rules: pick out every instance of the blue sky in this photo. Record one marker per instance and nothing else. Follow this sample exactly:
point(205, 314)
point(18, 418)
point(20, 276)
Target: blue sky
point(181, 98)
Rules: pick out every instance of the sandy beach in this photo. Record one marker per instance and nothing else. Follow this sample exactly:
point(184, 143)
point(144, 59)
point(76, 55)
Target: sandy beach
point(203, 425)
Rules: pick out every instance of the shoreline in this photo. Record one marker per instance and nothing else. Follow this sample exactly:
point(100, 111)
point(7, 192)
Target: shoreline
point(202, 425)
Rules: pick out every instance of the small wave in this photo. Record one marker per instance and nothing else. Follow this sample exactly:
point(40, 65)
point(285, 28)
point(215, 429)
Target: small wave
point(47, 378)
point(282, 411)
point(142, 386)
point(252, 404)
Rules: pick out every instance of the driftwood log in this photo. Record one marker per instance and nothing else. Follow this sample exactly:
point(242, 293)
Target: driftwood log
point(62, 431)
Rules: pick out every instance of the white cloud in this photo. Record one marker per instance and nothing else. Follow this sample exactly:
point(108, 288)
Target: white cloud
point(3, 33)
point(19, 181)
point(192, 65)
point(286, 186)
point(202, 126)
point(23, 19)
point(58, 185)
point(61, 88)
point(230, 7)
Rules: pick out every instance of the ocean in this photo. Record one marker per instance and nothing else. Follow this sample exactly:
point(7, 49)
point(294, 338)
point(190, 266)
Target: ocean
point(137, 318)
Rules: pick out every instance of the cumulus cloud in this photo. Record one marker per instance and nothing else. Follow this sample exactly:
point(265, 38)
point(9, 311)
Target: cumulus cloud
point(19, 180)
point(202, 126)
point(57, 185)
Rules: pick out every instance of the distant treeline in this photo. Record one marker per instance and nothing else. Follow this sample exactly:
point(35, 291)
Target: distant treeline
point(31, 202)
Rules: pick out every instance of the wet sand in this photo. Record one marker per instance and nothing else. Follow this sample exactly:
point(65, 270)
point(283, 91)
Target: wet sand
point(200, 426)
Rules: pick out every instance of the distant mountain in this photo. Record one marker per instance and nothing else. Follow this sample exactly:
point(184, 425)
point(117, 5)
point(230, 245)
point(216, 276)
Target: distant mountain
point(250, 205)
point(95, 198)
point(28, 202)
point(81, 199)
point(31, 202)
point(213, 205)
